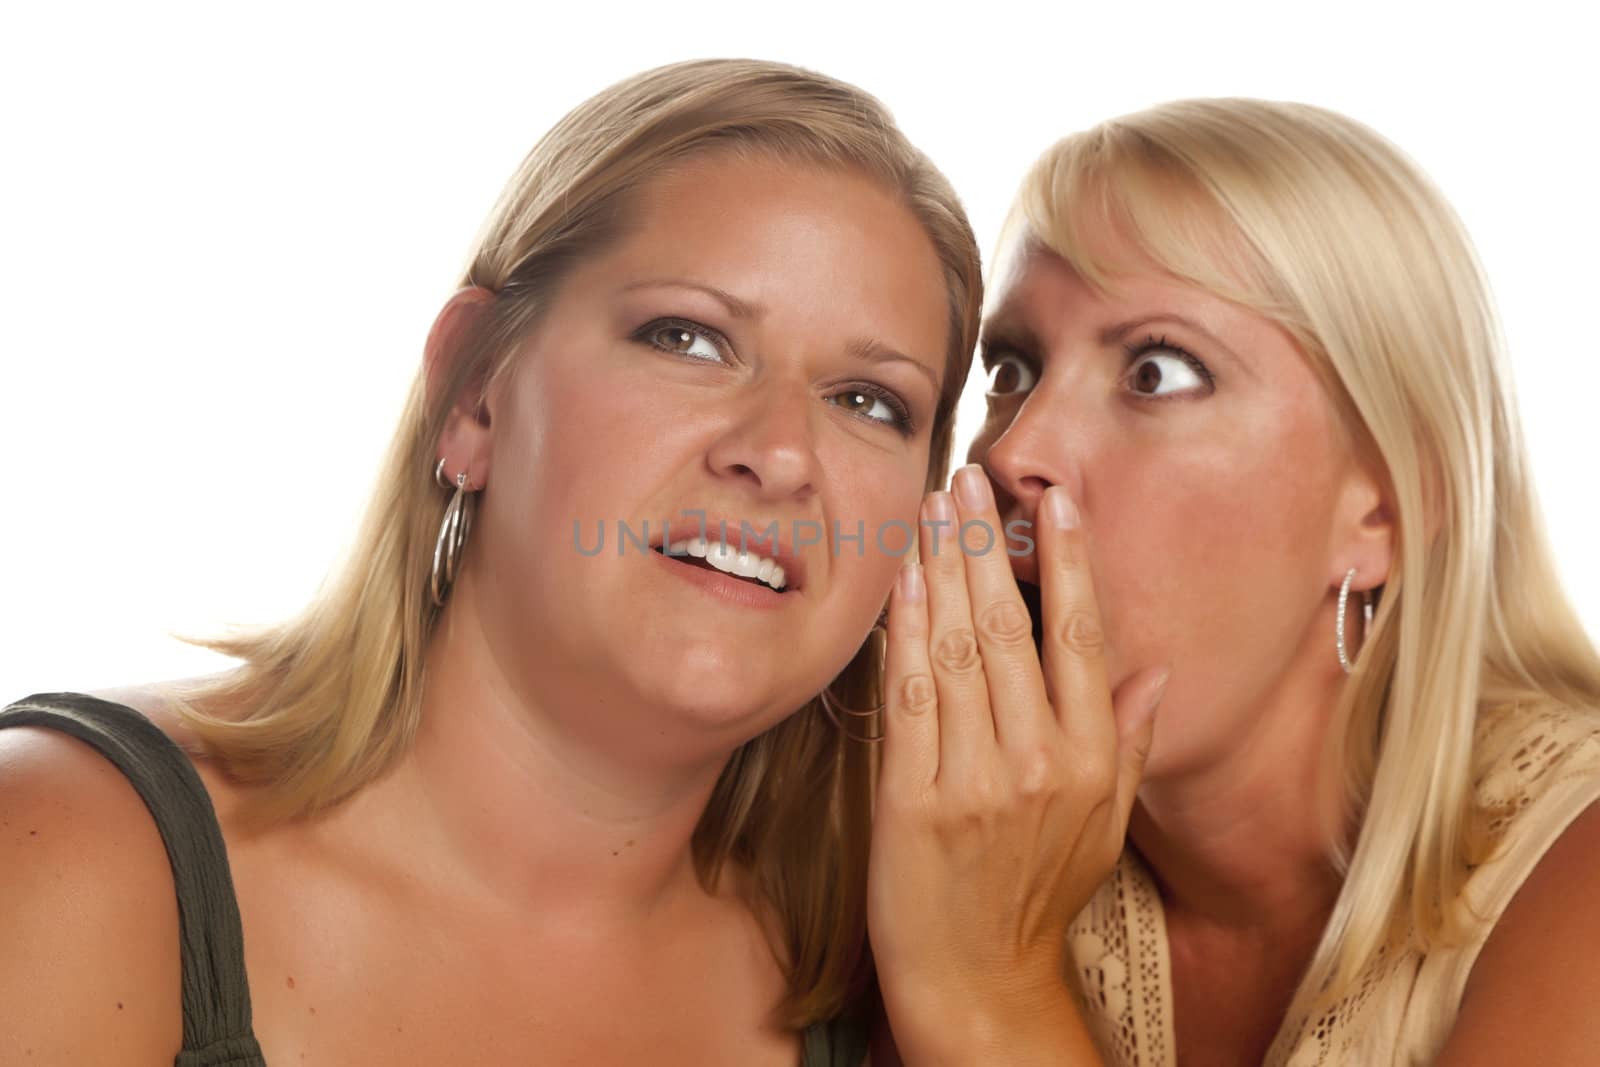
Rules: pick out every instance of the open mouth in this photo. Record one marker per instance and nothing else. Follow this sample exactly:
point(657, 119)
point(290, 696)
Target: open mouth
point(723, 557)
point(1031, 597)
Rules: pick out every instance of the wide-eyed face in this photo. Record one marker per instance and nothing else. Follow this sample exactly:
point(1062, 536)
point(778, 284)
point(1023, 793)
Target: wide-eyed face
point(1219, 491)
point(766, 345)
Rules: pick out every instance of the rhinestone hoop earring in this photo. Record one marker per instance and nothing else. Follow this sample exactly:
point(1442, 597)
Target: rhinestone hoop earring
point(1338, 620)
point(452, 540)
point(841, 714)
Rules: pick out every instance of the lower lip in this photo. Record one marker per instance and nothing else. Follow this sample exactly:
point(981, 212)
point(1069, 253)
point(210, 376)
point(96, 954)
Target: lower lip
point(725, 587)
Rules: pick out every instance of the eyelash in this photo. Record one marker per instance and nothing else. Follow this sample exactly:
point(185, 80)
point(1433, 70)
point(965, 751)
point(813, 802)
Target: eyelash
point(991, 351)
point(1154, 343)
point(645, 333)
point(901, 423)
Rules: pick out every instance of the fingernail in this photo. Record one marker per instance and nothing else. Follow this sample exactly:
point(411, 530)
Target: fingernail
point(972, 488)
point(1059, 510)
point(1159, 691)
point(911, 582)
point(940, 508)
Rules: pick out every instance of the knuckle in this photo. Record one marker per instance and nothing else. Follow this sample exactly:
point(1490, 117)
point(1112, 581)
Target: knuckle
point(918, 696)
point(957, 651)
point(1006, 624)
point(1080, 633)
point(1037, 774)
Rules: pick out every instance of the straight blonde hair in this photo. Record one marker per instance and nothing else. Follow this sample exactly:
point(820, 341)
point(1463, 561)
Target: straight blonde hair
point(1321, 225)
point(332, 698)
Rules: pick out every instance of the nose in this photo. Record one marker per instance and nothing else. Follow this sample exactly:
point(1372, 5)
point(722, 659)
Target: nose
point(1030, 455)
point(769, 442)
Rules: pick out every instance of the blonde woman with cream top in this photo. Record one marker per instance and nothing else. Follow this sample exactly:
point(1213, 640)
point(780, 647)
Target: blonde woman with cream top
point(1244, 376)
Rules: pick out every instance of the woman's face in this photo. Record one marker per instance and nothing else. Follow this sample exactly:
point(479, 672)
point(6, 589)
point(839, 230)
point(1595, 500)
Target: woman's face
point(1215, 484)
point(765, 345)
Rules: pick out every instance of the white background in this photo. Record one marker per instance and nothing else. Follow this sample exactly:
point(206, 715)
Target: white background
point(224, 232)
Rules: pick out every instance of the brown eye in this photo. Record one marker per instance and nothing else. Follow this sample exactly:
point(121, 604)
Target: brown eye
point(683, 339)
point(676, 338)
point(1166, 372)
point(1009, 375)
point(857, 402)
point(874, 408)
point(1147, 377)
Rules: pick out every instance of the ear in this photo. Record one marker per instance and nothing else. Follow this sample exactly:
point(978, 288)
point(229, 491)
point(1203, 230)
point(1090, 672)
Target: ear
point(464, 442)
point(1365, 531)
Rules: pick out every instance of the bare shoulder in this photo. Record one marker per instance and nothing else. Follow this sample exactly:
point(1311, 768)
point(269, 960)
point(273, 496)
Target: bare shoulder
point(88, 915)
point(1530, 996)
point(158, 703)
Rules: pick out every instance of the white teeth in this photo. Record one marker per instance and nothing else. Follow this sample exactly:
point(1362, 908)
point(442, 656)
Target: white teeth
point(724, 557)
point(721, 556)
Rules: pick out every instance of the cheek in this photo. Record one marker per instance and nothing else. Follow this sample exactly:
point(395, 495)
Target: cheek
point(1202, 551)
point(584, 436)
point(878, 500)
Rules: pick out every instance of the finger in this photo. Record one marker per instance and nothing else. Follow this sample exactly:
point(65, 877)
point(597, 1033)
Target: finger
point(1073, 648)
point(1135, 702)
point(1004, 629)
point(911, 706)
point(966, 729)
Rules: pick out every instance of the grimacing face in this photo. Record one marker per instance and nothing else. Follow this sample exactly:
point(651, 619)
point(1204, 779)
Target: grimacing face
point(1219, 492)
point(765, 344)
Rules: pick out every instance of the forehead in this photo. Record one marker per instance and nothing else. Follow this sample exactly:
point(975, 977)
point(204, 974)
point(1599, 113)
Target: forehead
point(827, 248)
point(1039, 295)
point(1031, 281)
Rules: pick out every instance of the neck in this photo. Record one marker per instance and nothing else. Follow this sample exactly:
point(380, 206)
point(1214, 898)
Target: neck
point(1238, 844)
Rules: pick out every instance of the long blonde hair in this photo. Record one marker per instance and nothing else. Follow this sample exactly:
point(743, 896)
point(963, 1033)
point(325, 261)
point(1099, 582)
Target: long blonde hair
point(1318, 223)
point(332, 698)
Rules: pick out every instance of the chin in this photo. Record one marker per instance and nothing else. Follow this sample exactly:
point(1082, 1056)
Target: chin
point(716, 690)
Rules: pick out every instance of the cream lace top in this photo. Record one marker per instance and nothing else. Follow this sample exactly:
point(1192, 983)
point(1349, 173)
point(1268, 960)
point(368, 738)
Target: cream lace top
point(1535, 772)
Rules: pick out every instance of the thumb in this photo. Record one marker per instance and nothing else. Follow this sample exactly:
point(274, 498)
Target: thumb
point(1134, 705)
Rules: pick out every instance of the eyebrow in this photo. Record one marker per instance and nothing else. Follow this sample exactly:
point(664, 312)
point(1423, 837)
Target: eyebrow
point(864, 349)
point(874, 352)
point(1004, 327)
point(1118, 333)
point(739, 309)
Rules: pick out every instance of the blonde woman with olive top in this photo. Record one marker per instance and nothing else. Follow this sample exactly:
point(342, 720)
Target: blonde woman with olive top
point(495, 798)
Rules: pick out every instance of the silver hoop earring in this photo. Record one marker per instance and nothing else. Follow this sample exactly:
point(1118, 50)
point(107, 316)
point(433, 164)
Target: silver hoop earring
point(452, 540)
point(1338, 620)
point(871, 731)
point(841, 715)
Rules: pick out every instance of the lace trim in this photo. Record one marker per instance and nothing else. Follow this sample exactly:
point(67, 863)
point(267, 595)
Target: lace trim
point(1118, 943)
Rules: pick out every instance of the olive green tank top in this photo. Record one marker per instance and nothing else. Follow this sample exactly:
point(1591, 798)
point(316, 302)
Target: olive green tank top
point(216, 996)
